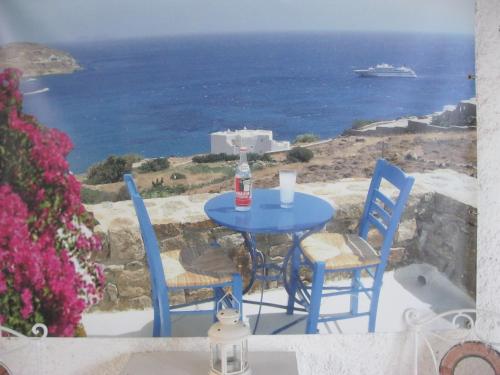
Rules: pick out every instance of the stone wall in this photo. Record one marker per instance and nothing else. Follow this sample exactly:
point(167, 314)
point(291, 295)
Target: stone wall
point(463, 114)
point(438, 227)
point(446, 237)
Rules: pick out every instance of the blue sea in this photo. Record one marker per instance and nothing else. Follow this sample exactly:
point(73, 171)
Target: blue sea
point(163, 96)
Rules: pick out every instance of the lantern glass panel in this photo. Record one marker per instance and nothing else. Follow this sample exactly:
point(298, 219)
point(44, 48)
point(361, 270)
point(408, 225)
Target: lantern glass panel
point(234, 363)
point(216, 357)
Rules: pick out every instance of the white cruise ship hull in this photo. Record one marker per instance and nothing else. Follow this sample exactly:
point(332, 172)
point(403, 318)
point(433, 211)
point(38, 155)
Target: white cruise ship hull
point(368, 73)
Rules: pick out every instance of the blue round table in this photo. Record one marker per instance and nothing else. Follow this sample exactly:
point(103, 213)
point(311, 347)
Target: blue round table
point(308, 214)
point(266, 215)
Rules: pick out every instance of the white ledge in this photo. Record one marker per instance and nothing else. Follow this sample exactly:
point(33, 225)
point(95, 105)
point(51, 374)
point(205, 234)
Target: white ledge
point(189, 208)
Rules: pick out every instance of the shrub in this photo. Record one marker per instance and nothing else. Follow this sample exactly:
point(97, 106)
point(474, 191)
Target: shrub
point(91, 196)
point(46, 236)
point(177, 176)
point(159, 190)
point(212, 158)
point(108, 171)
point(122, 194)
point(158, 183)
point(266, 157)
point(132, 158)
point(299, 154)
point(94, 196)
point(306, 138)
point(154, 165)
point(253, 156)
point(257, 166)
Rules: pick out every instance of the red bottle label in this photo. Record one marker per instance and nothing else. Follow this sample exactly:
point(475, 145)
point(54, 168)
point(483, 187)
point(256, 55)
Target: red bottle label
point(243, 190)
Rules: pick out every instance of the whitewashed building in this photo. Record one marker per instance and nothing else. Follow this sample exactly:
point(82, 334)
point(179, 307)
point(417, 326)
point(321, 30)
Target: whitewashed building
point(258, 141)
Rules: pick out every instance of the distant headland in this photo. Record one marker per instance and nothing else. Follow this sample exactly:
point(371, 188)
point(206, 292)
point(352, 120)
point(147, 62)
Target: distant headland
point(36, 59)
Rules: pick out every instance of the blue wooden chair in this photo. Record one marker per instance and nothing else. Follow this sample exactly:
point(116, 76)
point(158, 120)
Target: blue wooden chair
point(178, 278)
point(327, 253)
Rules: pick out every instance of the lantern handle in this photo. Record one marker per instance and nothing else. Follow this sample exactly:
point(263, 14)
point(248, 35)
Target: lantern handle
point(228, 294)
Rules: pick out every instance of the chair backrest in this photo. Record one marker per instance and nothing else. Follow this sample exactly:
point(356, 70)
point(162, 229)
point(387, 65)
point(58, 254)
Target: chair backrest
point(380, 211)
point(157, 276)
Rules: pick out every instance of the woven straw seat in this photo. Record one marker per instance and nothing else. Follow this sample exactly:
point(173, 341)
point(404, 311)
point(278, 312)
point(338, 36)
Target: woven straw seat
point(339, 251)
point(215, 261)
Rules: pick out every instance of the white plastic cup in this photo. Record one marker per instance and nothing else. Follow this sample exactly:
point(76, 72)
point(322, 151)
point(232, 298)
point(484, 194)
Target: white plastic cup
point(287, 188)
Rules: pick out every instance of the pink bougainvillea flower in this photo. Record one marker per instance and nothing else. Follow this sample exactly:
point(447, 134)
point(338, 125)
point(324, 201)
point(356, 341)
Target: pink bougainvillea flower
point(46, 236)
point(27, 308)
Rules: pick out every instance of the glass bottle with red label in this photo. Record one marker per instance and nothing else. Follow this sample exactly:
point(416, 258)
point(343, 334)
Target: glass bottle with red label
point(243, 183)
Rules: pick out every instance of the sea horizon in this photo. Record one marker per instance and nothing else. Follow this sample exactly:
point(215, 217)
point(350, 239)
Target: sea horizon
point(163, 96)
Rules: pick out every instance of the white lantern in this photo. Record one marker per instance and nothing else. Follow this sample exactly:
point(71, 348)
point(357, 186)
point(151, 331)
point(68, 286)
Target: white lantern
point(228, 343)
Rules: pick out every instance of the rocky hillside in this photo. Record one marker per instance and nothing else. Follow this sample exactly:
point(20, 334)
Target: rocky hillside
point(36, 59)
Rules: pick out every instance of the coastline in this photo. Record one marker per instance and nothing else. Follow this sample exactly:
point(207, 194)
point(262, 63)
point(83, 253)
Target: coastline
point(451, 118)
point(430, 147)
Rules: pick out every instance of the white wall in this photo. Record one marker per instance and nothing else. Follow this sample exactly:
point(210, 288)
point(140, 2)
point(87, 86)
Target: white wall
point(488, 97)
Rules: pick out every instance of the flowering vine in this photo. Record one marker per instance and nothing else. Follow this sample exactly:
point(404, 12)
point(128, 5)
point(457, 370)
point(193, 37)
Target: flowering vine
point(47, 244)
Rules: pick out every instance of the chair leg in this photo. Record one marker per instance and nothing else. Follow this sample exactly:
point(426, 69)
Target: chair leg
point(356, 274)
point(294, 276)
point(316, 292)
point(164, 312)
point(156, 318)
point(377, 284)
point(237, 287)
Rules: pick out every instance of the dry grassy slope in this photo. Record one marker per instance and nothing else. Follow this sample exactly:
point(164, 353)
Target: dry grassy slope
point(343, 157)
point(355, 157)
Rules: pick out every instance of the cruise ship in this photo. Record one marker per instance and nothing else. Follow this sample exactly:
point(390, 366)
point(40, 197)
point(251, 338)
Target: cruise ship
point(386, 70)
